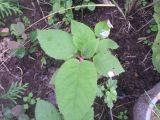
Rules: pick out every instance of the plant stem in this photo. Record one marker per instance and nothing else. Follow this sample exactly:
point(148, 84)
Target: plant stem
point(111, 115)
point(120, 10)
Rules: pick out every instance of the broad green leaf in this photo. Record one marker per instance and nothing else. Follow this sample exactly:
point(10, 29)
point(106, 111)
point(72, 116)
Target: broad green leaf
point(52, 81)
point(75, 86)
point(81, 34)
point(89, 115)
point(101, 27)
point(56, 43)
point(46, 111)
point(106, 44)
point(106, 62)
point(89, 49)
point(156, 56)
point(56, 7)
point(156, 44)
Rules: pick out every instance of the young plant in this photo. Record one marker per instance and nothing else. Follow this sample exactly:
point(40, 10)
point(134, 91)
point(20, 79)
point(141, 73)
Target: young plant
point(147, 42)
point(108, 92)
point(59, 5)
point(87, 2)
point(15, 91)
point(153, 27)
point(123, 115)
point(18, 31)
point(8, 8)
point(26, 20)
point(156, 44)
point(17, 111)
point(144, 2)
point(29, 100)
point(87, 57)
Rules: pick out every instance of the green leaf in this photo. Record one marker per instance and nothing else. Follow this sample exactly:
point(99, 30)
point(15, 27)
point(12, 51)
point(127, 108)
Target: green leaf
point(46, 111)
point(33, 36)
point(111, 84)
point(81, 34)
point(43, 61)
point(89, 49)
point(106, 44)
point(26, 106)
point(18, 28)
point(106, 62)
point(156, 44)
point(111, 93)
point(23, 117)
point(108, 100)
point(25, 99)
point(30, 95)
point(7, 113)
point(56, 7)
point(101, 27)
point(33, 101)
point(99, 91)
point(56, 43)
point(156, 58)
point(75, 86)
point(125, 117)
point(91, 8)
point(69, 3)
point(61, 10)
point(89, 115)
point(18, 52)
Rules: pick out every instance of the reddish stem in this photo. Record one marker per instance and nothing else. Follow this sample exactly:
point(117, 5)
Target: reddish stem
point(81, 58)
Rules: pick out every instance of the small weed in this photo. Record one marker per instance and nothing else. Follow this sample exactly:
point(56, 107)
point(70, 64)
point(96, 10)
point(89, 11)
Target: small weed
point(144, 2)
point(15, 91)
point(18, 31)
point(8, 8)
point(153, 27)
point(43, 61)
point(15, 111)
point(123, 115)
point(67, 14)
point(108, 92)
point(26, 21)
point(147, 42)
point(29, 100)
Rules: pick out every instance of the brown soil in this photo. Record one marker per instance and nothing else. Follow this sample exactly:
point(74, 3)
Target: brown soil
point(134, 55)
